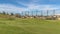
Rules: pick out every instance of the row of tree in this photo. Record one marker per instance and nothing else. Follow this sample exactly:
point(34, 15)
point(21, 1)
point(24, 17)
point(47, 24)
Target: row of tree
point(27, 13)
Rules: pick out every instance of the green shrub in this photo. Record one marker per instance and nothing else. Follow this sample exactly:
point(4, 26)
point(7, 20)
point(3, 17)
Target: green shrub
point(11, 18)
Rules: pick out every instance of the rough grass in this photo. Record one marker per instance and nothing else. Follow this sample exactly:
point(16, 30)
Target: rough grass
point(29, 26)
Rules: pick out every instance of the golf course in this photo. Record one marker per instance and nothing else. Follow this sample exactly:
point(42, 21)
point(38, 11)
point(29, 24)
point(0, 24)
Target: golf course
point(29, 26)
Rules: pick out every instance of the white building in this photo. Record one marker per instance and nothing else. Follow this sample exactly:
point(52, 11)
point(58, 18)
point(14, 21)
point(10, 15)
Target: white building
point(57, 16)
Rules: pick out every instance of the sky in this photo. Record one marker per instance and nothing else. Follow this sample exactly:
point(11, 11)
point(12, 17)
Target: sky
point(28, 5)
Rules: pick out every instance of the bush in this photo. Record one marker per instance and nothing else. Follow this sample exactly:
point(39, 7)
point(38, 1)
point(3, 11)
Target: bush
point(11, 18)
point(50, 18)
point(18, 15)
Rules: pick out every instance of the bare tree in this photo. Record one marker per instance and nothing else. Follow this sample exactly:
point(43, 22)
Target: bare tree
point(22, 14)
point(25, 13)
point(36, 13)
point(28, 13)
point(47, 12)
point(4, 12)
point(41, 13)
point(7, 13)
point(32, 13)
point(18, 15)
point(53, 12)
point(12, 14)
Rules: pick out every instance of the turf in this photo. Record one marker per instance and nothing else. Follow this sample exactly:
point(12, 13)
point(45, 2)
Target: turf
point(29, 26)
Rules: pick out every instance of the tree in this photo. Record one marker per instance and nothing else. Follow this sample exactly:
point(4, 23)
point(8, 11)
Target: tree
point(18, 15)
point(41, 13)
point(47, 12)
point(28, 13)
point(32, 13)
point(53, 12)
point(4, 12)
point(7, 13)
point(12, 14)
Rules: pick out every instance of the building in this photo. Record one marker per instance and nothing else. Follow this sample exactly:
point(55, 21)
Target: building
point(57, 16)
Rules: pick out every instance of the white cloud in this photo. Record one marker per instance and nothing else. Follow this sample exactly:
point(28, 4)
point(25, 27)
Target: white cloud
point(42, 7)
point(13, 8)
point(33, 5)
point(10, 8)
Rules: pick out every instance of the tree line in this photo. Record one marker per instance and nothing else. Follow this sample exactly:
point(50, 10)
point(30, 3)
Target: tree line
point(28, 14)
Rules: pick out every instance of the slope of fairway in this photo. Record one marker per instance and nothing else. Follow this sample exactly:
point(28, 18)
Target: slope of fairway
point(29, 26)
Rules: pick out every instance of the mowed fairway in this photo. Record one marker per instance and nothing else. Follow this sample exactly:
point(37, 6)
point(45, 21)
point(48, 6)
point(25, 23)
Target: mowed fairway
point(29, 26)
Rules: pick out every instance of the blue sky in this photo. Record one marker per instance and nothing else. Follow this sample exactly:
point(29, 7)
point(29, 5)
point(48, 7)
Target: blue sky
point(28, 5)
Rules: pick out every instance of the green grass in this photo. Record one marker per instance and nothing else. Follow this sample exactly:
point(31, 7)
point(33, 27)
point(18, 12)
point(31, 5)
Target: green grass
point(29, 26)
